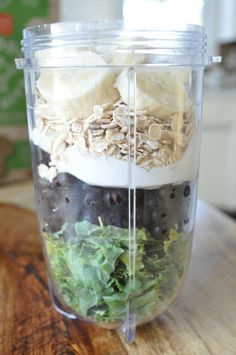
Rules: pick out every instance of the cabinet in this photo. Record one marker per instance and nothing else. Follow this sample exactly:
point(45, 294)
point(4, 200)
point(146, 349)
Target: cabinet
point(217, 181)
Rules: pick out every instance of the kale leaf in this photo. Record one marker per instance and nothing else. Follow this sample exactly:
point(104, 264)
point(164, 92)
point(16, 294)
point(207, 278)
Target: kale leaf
point(91, 269)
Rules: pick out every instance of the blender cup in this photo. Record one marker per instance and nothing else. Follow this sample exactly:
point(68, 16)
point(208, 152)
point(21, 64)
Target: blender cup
point(114, 119)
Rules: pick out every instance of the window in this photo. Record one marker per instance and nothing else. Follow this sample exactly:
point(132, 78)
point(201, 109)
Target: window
point(162, 11)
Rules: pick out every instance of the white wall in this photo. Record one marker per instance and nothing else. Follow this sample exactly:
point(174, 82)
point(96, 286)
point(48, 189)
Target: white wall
point(227, 20)
point(219, 19)
point(90, 10)
point(172, 12)
point(219, 16)
point(217, 183)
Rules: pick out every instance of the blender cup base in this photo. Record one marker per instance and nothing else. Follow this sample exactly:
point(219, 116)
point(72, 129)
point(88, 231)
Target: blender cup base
point(127, 331)
point(59, 307)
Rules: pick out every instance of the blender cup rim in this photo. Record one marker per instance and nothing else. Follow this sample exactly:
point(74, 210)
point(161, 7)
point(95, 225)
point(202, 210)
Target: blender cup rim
point(106, 25)
point(182, 45)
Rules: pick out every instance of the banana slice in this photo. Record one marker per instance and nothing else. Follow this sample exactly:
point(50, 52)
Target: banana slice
point(158, 92)
point(74, 91)
point(119, 57)
point(43, 140)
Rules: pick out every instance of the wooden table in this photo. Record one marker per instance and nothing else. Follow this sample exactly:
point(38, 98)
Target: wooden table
point(201, 321)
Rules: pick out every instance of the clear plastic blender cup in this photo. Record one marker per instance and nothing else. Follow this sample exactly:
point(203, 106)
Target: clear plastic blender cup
point(114, 119)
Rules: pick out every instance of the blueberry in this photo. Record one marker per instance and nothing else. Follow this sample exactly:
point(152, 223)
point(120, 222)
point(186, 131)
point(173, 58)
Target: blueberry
point(115, 199)
point(172, 195)
point(90, 216)
point(91, 198)
point(154, 214)
point(140, 197)
point(112, 198)
point(186, 220)
point(187, 191)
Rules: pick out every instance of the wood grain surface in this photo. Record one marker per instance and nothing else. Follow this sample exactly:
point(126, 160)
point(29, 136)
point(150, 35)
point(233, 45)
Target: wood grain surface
point(201, 321)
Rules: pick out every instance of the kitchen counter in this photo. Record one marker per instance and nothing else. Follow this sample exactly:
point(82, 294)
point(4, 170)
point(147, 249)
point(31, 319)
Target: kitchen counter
point(218, 145)
point(201, 321)
point(20, 194)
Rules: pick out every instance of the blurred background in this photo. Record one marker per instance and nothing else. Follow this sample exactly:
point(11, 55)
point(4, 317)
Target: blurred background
point(218, 162)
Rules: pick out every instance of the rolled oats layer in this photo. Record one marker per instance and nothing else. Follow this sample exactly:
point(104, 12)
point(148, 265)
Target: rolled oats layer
point(110, 131)
point(151, 138)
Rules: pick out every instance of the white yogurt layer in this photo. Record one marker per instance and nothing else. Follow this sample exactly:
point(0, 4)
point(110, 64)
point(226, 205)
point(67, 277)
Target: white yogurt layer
point(104, 171)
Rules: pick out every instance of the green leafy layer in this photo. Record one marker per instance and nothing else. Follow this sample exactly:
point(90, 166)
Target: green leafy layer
point(91, 269)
